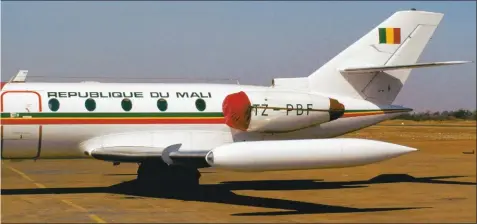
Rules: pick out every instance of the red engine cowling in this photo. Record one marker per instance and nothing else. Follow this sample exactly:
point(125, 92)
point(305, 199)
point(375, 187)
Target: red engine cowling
point(275, 111)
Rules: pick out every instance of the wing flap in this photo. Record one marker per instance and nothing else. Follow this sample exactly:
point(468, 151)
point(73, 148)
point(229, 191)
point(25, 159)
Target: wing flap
point(172, 147)
point(134, 154)
point(126, 153)
point(371, 69)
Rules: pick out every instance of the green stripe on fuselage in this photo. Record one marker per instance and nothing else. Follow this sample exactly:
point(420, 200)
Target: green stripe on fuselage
point(381, 110)
point(113, 115)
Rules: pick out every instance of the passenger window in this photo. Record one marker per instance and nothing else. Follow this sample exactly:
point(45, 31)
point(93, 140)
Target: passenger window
point(90, 104)
point(54, 104)
point(162, 104)
point(126, 104)
point(200, 104)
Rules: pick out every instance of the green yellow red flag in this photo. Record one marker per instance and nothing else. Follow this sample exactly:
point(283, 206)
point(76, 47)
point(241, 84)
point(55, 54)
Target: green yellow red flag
point(390, 35)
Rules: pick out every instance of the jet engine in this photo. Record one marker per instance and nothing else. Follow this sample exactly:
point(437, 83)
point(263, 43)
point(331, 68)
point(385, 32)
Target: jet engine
point(276, 111)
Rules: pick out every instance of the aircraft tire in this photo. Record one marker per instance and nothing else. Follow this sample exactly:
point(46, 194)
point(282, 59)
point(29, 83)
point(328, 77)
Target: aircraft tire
point(177, 177)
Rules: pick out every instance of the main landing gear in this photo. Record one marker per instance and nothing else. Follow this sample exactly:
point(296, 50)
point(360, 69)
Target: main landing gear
point(160, 174)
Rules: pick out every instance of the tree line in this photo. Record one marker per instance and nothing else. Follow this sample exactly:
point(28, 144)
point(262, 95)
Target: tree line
point(460, 114)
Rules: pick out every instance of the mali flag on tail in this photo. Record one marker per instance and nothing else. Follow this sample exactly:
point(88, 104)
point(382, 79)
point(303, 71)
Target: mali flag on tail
point(390, 35)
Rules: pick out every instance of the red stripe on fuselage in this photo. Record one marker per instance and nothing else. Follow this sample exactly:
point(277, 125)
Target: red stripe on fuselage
point(65, 121)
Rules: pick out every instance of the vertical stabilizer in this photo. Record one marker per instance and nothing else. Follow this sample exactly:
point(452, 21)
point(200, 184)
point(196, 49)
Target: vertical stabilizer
point(398, 40)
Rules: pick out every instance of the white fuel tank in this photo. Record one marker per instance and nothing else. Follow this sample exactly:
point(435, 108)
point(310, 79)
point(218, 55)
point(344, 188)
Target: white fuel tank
point(302, 154)
point(276, 111)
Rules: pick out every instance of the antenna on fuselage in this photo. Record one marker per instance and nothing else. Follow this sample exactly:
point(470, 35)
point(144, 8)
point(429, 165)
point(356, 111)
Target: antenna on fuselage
point(20, 76)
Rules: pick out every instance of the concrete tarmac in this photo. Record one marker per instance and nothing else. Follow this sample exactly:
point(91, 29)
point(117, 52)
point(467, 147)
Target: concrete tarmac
point(435, 184)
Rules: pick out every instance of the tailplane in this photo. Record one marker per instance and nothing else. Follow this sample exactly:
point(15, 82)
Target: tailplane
point(373, 69)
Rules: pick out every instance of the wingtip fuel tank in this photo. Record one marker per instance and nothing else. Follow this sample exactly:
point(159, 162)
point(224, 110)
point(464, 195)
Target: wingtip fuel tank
point(302, 154)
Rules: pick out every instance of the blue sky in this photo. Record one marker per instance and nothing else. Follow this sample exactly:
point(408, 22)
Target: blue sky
point(250, 41)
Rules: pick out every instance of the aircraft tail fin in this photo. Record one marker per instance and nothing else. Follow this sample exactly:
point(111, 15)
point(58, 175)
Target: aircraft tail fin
point(397, 41)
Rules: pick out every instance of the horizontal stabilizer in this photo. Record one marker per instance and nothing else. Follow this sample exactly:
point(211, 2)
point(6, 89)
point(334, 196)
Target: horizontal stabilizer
point(370, 69)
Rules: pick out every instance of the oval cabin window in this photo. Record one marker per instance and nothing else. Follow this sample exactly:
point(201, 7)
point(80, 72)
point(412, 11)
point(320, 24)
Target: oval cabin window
point(126, 104)
point(200, 104)
point(162, 104)
point(90, 104)
point(54, 104)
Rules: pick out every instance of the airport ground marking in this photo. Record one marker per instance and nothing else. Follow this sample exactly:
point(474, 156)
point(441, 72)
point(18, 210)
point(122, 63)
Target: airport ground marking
point(96, 218)
point(21, 173)
point(74, 205)
point(91, 216)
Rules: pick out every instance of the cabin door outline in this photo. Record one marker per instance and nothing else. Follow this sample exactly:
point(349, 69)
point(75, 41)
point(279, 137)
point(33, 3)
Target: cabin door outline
point(20, 141)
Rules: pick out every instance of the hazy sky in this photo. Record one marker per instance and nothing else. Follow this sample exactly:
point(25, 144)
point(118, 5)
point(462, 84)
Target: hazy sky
point(251, 41)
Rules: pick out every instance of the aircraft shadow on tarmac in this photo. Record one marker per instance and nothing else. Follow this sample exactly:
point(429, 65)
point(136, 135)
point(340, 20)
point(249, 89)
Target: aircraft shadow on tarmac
point(222, 193)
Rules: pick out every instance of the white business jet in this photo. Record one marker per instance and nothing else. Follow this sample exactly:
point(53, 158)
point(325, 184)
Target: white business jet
point(172, 130)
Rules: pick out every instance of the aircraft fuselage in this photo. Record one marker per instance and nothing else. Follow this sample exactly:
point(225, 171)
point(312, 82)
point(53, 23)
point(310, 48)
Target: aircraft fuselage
point(52, 120)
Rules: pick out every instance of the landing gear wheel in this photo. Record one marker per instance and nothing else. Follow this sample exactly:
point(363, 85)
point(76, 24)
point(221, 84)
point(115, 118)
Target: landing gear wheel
point(159, 174)
point(185, 176)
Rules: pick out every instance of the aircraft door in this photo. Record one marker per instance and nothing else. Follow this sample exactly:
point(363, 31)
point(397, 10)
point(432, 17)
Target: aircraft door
point(20, 141)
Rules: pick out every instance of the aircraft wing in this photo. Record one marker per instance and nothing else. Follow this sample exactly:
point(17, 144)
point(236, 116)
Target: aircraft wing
point(138, 147)
point(370, 69)
point(170, 155)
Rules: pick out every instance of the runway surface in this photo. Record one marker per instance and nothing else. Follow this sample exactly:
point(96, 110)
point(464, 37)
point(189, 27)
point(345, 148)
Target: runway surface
point(435, 184)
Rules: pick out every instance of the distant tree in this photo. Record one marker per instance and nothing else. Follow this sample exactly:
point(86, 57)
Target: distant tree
point(444, 115)
point(405, 116)
point(462, 114)
point(436, 116)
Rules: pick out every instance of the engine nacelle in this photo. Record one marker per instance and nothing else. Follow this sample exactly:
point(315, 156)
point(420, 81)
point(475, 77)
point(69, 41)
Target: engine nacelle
point(275, 111)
